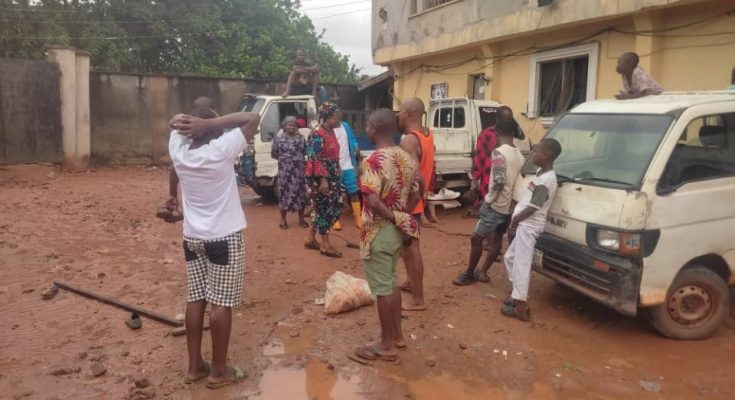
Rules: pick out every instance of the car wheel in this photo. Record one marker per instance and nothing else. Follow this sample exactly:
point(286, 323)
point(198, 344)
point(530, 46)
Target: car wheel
point(697, 304)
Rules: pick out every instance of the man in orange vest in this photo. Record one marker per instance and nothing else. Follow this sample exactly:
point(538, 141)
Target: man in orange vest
point(418, 141)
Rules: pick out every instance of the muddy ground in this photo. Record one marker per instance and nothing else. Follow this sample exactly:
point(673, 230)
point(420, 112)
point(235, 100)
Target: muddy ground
point(97, 230)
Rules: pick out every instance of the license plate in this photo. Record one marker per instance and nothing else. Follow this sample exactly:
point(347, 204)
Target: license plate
point(538, 258)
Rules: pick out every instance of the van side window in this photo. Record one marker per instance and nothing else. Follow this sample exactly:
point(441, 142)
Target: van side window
point(705, 150)
point(270, 123)
point(449, 117)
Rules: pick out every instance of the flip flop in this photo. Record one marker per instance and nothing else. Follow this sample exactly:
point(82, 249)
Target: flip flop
point(414, 308)
point(283, 226)
point(331, 253)
point(175, 216)
point(464, 279)
point(207, 371)
point(313, 245)
point(371, 353)
point(240, 375)
point(163, 213)
point(510, 310)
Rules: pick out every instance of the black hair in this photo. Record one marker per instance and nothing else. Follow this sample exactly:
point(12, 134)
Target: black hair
point(206, 113)
point(506, 127)
point(203, 113)
point(552, 146)
point(503, 109)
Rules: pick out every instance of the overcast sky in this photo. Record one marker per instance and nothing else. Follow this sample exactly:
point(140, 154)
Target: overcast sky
point(347, 24)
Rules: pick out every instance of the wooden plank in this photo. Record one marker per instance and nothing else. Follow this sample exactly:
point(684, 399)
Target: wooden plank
point(113, 302)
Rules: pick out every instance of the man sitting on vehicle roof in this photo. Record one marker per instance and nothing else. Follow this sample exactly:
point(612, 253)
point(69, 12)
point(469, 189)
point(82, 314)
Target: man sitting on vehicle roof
point(636, 82)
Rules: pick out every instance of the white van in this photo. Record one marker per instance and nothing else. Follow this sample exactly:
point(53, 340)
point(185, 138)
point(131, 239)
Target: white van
point(456, 123)
point(256, 167)
point(644, 218)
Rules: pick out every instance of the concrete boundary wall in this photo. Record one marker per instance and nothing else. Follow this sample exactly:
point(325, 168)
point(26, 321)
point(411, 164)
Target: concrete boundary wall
point(129, 112)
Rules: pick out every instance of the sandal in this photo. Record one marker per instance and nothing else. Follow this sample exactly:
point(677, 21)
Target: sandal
point(174, 216)
point(482, 277)
point(511, 311)
point(239, 375)
point(464, 279)
point(331, 253)
point(313, 245)
point(206, 372)
point(371, 353)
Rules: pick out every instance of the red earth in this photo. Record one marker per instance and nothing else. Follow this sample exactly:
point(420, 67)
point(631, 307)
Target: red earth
point(97, 230)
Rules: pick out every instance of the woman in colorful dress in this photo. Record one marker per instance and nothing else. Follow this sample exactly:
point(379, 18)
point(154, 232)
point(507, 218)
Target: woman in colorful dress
point(323, 177)
point(289, 148)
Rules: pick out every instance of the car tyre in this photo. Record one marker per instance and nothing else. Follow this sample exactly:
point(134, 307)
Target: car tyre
point(696, 306)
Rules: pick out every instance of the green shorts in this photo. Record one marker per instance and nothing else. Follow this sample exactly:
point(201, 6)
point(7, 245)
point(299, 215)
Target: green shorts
point(381, 267)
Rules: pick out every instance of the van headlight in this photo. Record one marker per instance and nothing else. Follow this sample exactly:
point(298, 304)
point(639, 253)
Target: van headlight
point(626, 243)
point(608, 239)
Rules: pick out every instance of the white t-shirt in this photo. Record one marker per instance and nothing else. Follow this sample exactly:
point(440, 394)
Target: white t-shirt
point(211, 201)
point(539, 194)
point(345, 161)
point(507, 162)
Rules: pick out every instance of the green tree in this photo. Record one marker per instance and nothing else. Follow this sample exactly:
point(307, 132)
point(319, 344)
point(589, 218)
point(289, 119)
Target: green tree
point(227, 38)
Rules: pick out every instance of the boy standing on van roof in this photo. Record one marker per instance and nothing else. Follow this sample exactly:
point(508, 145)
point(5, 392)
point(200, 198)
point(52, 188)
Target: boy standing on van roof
point(495, 209)
point(636, 82)
point(527, 224)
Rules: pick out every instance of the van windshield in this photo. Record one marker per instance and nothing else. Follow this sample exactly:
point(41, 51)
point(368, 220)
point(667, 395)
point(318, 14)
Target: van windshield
point(250, 104)
point(611, 150)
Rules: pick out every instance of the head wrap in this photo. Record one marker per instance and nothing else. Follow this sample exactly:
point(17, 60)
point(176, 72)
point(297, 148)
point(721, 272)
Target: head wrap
point(327, 109)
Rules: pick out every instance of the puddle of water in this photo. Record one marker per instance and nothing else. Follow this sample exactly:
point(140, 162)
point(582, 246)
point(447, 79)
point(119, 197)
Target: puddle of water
point(315, 381)
point(274, 347)
point(283, 341)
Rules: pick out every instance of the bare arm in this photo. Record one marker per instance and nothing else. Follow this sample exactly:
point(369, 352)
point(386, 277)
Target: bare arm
point(411, 145)
point(173, 183)
point(289, 82)
point(414, 198)
point(642, 93)
point(194, 127)
point(378, 207)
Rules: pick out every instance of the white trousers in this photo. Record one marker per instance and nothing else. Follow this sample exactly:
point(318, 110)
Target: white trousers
point(518, 259)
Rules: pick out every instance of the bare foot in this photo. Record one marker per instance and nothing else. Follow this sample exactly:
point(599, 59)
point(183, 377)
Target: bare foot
point(411, 306)
point(199, 372)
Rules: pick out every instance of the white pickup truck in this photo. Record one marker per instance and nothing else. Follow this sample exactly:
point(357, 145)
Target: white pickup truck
point(456, 123)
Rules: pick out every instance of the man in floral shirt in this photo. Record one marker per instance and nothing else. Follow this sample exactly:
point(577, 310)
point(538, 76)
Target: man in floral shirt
point(390, 187)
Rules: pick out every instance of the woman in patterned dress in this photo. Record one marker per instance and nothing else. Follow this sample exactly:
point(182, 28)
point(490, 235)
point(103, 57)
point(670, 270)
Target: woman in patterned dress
point(323, 177)
point(289, 148)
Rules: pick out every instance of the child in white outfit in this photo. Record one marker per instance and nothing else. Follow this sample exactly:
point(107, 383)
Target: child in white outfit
point(527, 224)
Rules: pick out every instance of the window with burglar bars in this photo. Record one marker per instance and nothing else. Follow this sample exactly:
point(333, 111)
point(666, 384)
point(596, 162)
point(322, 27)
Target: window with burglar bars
point(418, 6)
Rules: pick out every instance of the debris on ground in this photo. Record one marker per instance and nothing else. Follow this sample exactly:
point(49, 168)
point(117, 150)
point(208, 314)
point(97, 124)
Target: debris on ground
point(650, 386)
point(97, 369)
point(49, 293)
point(64, 370)
point(345, 293)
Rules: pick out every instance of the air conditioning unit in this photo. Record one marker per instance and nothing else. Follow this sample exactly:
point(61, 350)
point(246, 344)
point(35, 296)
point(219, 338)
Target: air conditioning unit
point(544, 3)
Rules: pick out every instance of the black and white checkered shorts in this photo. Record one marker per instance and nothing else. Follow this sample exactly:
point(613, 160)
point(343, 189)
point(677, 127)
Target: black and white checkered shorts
point(215, 269)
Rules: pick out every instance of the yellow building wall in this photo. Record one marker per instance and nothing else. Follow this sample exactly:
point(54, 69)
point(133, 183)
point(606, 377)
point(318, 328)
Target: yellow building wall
point(677, 62)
